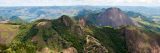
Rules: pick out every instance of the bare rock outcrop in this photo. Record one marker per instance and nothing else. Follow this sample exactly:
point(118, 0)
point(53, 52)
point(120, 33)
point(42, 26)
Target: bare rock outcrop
point(113, 17)
point(93, 46)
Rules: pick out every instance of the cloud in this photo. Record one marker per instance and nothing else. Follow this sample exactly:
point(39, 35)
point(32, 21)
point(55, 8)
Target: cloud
point(76, 2)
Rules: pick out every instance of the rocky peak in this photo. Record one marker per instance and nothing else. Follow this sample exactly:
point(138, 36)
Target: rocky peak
point(82, 22)
point(113, 9)
point(44, 24)
point(66, 20)
point(94, 46)
point(113, 17)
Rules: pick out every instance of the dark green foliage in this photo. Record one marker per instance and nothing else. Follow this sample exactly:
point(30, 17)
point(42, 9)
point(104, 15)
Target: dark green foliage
point(111, 38)
point(21, 43)
point(77, 42)
point(54, 37)
point(3, 47)
point(33, 31)
point(66, 33)
point(19, 47)
point(26, 32)
point(62, 34)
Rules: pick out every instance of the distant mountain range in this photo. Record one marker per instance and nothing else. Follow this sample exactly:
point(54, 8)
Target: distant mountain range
point(34, 13)
point(68, 36)
point(82, 30)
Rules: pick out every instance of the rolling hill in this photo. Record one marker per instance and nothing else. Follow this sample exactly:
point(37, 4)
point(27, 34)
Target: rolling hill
point(106, 31)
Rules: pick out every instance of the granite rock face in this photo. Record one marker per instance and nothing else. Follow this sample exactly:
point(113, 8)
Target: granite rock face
point(113, 17)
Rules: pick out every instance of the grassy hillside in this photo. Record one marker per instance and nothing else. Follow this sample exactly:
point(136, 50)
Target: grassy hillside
point(60, 34)
point(56, 35)
point(7, 31)
point(66, 35)
point(147, 25)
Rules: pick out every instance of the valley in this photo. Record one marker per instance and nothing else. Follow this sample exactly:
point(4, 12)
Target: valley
point(78, 30)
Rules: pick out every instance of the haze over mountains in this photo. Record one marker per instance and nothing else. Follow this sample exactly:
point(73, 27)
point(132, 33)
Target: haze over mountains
point(81, 29)
point(32, 13)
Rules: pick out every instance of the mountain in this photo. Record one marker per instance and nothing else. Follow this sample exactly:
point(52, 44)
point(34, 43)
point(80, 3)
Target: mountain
point(140, 40)
point(132, 14)
point(106, 31)
point(88, 16)
point(143, 21)
point(58, 35)
point(17, 20)
point(31, 13)
point(12, 20)
point(1, 18)
point(113, 17)
point(70, 36)
point(106, 17)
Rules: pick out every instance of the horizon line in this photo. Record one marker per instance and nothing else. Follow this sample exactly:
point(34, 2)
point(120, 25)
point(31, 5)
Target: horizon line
point(78, 5)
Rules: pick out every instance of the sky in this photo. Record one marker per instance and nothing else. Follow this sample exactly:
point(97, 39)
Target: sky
point(79, 2)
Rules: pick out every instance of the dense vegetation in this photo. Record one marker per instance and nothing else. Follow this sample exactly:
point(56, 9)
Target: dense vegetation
point(62, 33)
point(111, 38)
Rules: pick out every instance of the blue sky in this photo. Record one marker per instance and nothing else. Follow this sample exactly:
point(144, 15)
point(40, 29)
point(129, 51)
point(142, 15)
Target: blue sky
point(79, 2)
